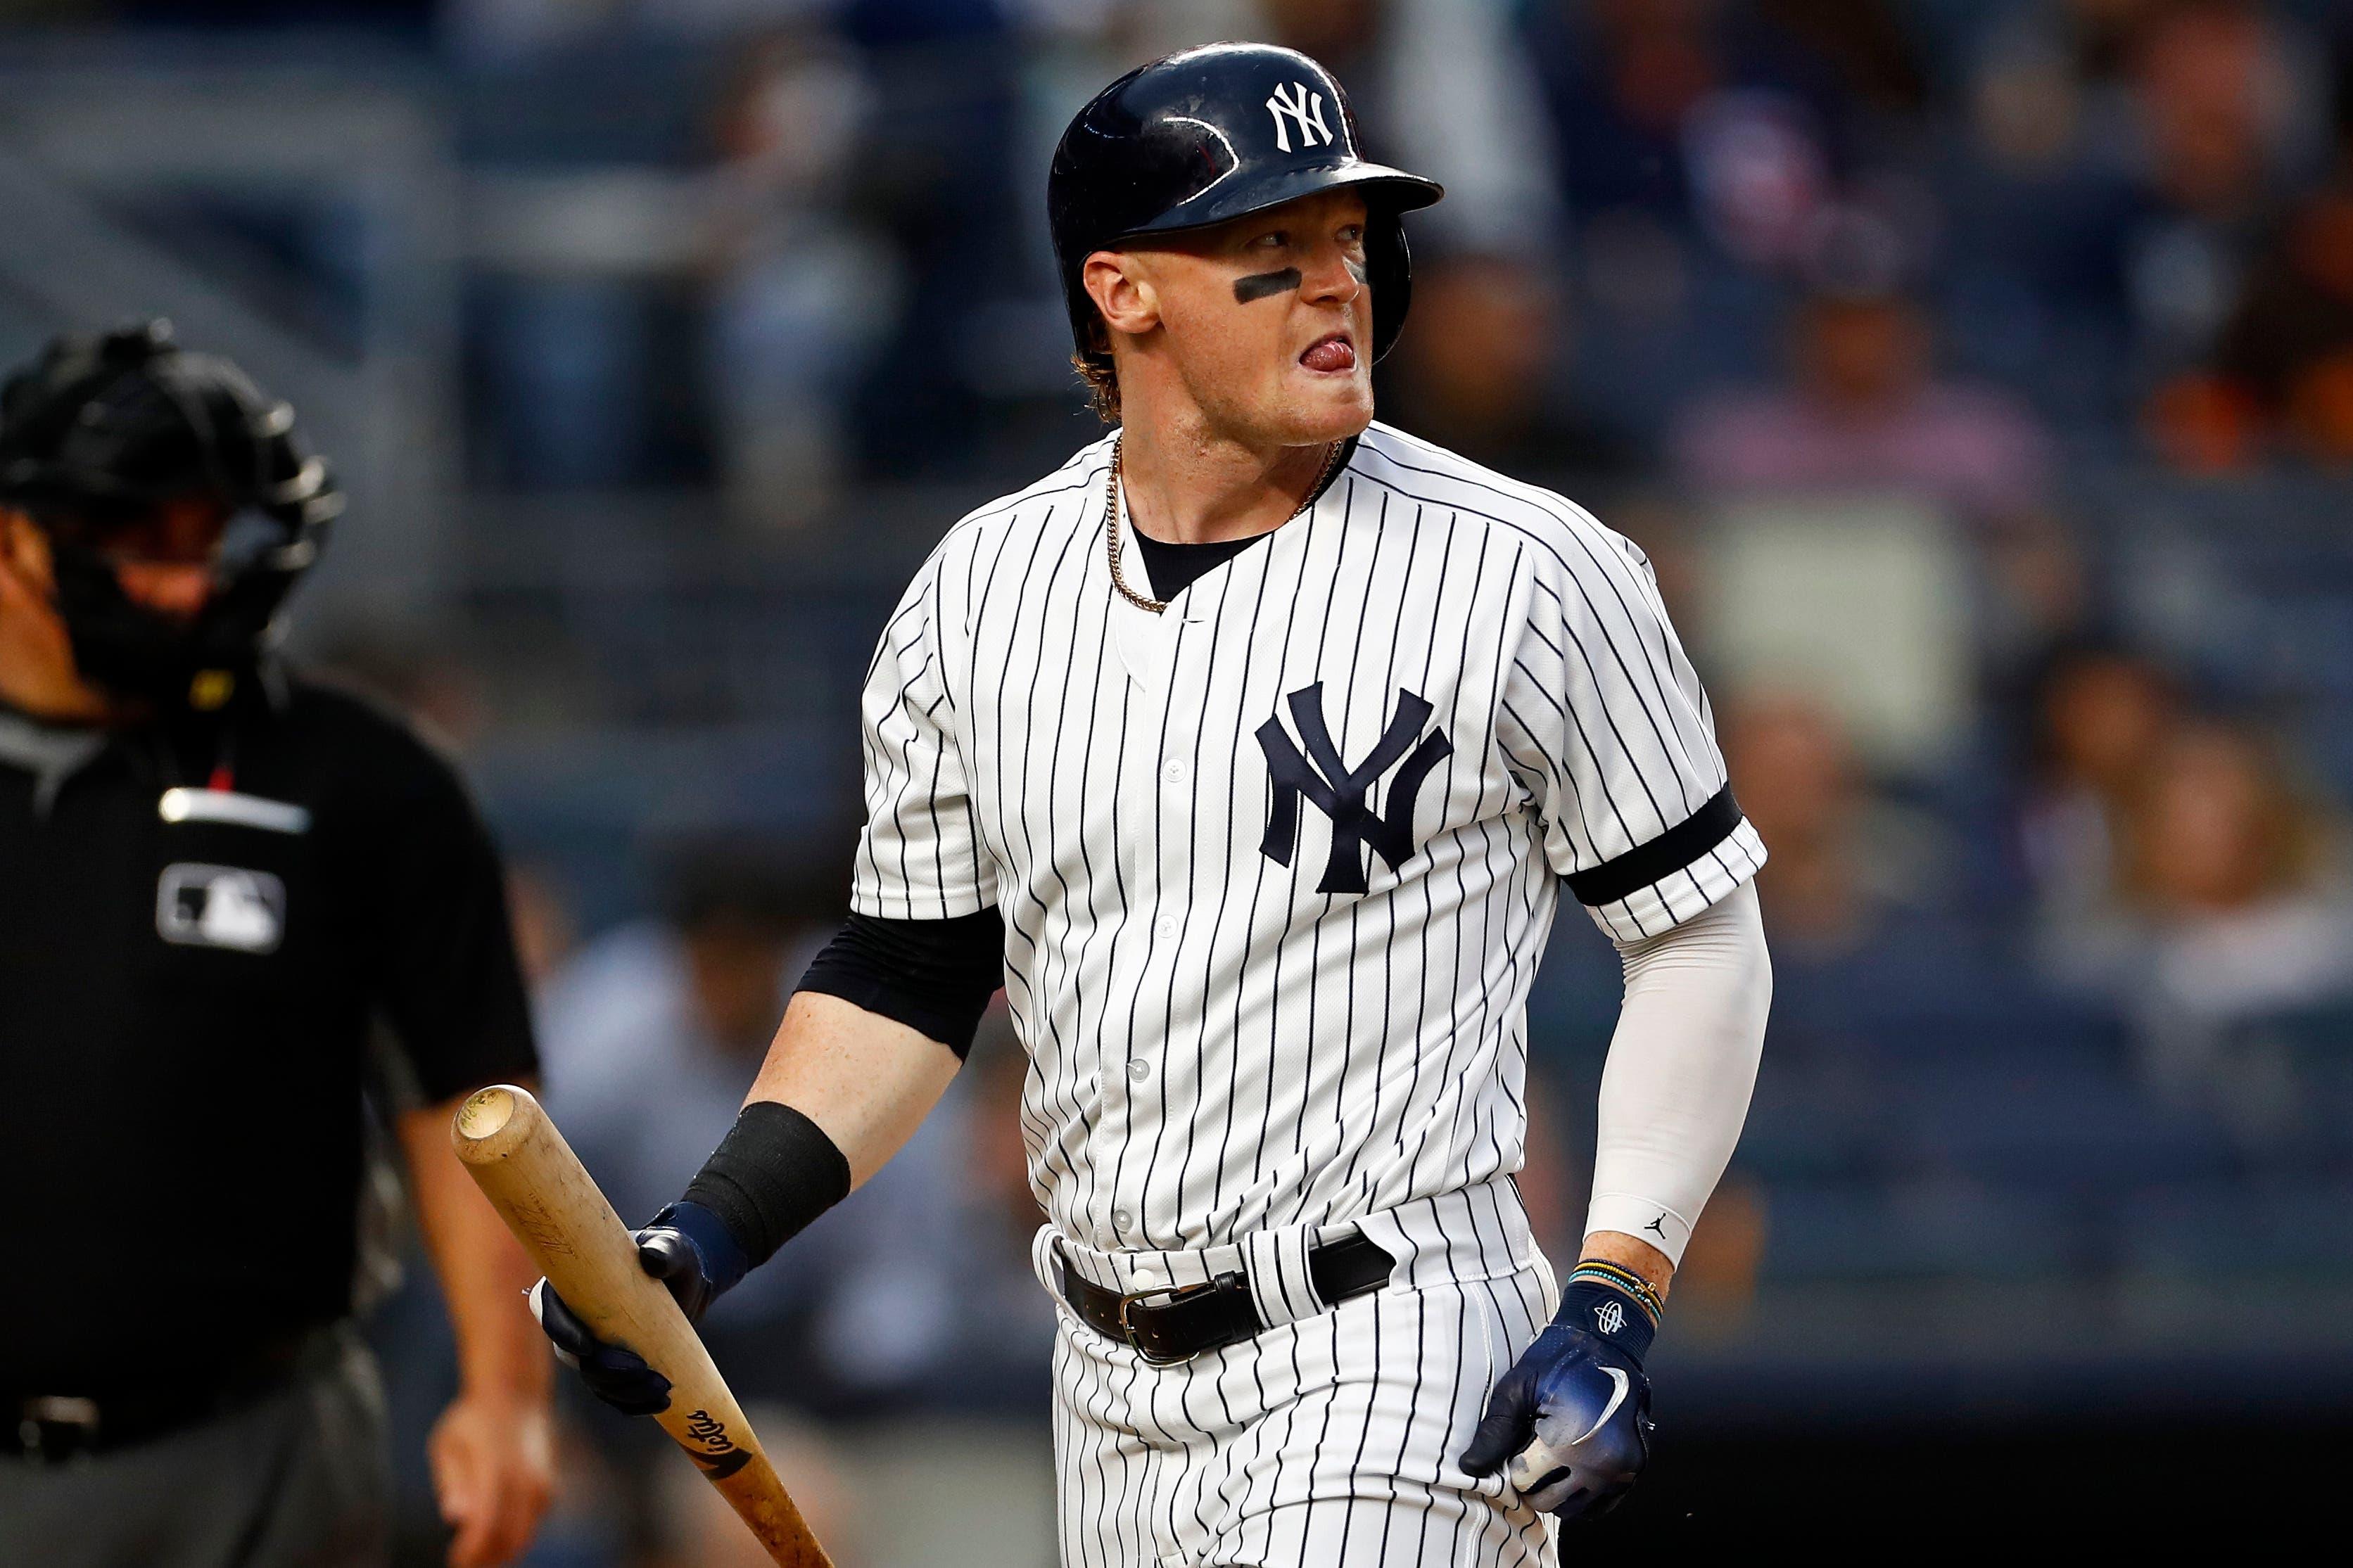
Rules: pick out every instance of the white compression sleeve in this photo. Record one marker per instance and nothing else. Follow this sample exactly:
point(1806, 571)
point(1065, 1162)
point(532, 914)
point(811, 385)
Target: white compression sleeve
point(1682, 1063)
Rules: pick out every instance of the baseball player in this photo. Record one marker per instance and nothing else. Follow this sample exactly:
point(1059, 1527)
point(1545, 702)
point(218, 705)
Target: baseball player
point(1251, 751)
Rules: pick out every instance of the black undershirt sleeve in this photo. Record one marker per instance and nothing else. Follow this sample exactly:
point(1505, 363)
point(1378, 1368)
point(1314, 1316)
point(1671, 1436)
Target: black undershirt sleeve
point(934, 976)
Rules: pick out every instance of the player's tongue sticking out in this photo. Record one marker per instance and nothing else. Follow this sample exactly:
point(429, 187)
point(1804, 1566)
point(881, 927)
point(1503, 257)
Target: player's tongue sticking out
point(1332, 353)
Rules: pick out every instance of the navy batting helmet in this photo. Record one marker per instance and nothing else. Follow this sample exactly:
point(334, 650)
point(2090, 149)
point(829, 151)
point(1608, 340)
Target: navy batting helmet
point(1208, 134)
point(101, 430)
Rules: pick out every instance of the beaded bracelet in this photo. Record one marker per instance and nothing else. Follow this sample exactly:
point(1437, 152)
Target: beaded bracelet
point(1599, 1272)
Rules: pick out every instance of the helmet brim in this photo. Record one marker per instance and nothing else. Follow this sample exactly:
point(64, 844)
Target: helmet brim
point(1393, 189)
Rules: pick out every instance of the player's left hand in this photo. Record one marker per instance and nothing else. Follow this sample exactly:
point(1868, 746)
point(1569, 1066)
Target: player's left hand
point(689, 1249)
point(493, 1464)
point(1573, 1415)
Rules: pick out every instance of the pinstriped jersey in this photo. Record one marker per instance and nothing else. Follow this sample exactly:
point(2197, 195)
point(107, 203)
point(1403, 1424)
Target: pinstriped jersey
point(1276, 866)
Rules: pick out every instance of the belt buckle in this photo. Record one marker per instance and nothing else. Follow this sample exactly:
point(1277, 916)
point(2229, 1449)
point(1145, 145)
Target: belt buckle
point(1161, 1296)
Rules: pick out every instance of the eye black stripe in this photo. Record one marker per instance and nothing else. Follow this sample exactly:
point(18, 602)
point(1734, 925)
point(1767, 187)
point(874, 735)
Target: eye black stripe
point(1259, 285)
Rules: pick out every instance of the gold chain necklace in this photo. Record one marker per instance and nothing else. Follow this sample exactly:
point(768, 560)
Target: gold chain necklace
point(1111, 520)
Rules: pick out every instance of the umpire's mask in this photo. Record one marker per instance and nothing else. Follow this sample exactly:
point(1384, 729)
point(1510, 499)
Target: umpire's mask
point(102, 440)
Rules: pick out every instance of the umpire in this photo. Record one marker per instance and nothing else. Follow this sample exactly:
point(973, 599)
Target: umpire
point(219, 882)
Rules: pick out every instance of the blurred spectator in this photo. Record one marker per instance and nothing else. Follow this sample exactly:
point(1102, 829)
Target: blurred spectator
point(1842, 861)
point(1448, 92)
point(1005, 1320)
point(1864, 409)
point(804, 291)
point(1696, 143)
point(2038, 204)
point(2228, 903)
point(693, 996)
point(1485, 371)
point(1697, 110)
point(2099, 35)
point(2286, 356)
point(933, 179)
point(2100, 716)
point(654, 1032)
point(2131, 158)
point(2054, 78)
point(2224, 113)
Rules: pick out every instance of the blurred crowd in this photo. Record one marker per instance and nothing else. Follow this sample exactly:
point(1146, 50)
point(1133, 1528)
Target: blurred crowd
point(1978, 375)
point(789, 244)
point(1829, 241)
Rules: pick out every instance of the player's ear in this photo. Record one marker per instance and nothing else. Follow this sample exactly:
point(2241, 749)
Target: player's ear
point(1120, 287)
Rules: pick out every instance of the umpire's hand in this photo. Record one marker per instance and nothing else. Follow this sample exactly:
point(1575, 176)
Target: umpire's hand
point(686, 1248)
point(1575, 1409)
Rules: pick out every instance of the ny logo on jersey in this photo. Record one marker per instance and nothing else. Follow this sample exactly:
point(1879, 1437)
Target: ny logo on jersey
point(1343, 794)
point(1303, 109)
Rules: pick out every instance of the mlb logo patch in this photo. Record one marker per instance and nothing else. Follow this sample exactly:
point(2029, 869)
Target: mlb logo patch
point(220, 906)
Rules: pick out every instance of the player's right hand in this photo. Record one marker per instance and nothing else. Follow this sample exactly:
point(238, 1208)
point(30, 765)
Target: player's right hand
point(688, 1249)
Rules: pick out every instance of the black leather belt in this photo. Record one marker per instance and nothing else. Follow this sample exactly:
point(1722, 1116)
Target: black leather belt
point(1177, 1322)
point(57, 1427)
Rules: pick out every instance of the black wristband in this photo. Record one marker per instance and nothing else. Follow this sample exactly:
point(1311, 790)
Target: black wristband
point(773, 1173)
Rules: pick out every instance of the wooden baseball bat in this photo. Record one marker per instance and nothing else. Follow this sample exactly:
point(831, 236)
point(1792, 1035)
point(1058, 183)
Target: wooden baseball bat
point(538, 1185)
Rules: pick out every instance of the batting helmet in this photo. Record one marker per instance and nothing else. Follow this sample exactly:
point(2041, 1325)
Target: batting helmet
point(1208, 134)
point(101, 430)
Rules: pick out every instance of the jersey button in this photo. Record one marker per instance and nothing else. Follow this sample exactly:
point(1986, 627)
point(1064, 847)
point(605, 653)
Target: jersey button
point(1139, 1069)
point(1122, 1220)
point(1172, 773)
point(1165, 928)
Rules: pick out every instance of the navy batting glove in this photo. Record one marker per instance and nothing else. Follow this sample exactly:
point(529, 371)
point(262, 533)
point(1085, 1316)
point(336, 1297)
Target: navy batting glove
point(619, 1377)
point(688, 1249)
point(1573, 1415)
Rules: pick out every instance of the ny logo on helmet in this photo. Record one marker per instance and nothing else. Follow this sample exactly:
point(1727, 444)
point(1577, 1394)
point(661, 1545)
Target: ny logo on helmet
point(1343, 793)
point(1303, 109)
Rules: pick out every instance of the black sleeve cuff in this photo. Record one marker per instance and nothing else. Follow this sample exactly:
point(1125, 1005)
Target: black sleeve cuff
point(934, 976)
point(1663, 856)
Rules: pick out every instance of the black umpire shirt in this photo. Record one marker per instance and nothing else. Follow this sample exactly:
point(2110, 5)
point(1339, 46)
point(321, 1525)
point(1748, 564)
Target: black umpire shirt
point(199, 935)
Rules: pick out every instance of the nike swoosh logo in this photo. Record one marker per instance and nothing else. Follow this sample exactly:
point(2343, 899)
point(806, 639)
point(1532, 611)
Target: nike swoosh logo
point(1616, 1399)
